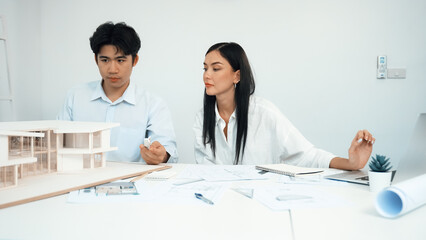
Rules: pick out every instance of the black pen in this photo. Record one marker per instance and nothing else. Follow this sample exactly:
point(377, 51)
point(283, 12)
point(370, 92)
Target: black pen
point(202, 198)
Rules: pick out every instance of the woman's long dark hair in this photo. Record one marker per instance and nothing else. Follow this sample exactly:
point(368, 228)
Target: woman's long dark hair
point(238, 60)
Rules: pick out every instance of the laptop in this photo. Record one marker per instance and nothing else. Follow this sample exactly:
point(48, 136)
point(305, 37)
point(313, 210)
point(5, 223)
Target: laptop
point(411, 165)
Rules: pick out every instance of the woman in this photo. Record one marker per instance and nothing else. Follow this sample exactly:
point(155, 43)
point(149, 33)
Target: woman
point(236, 127)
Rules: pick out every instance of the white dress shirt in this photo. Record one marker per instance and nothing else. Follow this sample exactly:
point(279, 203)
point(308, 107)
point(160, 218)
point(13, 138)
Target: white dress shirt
point(271, 138)
point(139, 113)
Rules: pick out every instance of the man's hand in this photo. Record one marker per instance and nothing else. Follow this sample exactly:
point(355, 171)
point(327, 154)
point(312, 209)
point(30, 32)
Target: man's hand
point(156, 153)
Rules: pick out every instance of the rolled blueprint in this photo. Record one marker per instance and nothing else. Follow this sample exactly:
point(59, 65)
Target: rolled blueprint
point(403, 197)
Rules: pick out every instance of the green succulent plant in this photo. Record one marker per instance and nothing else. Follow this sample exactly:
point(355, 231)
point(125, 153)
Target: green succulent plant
point(380, 164)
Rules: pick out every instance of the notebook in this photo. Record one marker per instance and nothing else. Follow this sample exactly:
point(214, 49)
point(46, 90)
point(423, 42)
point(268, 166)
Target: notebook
point(412, 164)
point(288, 170)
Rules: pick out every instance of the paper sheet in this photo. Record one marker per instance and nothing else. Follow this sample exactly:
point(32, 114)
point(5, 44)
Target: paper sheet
point(88, 195)
point(167, 192)
point(215, 173)
point(160, 175)
point(316, 179)
point(163, 192)
point(279, 197)
point(401, 198)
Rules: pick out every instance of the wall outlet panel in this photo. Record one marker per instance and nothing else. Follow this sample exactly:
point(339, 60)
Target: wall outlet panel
point(397, 73)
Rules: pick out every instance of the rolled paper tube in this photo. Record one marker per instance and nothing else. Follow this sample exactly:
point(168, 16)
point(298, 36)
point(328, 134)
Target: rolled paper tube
point(401, 198)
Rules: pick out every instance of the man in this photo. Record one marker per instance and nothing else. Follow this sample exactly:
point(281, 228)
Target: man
point(116, 99)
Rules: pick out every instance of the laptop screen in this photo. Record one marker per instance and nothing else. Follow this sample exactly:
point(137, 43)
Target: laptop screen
point(414, 161)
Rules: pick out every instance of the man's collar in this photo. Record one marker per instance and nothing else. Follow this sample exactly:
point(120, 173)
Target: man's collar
point(99, 93)
point(129, 95)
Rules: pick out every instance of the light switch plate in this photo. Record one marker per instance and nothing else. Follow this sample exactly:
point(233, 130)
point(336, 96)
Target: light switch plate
point(381, 66)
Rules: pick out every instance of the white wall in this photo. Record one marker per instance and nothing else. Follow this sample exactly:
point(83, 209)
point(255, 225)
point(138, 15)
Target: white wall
point(316, 60)
point(22, 25)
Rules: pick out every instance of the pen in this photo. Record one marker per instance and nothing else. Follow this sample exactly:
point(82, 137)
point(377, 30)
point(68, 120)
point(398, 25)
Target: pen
point(202, 198)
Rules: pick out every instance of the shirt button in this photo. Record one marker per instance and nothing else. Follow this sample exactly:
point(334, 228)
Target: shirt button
point(110, 113)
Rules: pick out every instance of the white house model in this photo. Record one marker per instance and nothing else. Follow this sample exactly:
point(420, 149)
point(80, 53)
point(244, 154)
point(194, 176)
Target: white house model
point(31, 148)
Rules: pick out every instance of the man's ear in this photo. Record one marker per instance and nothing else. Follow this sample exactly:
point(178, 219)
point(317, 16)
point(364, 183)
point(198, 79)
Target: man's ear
point(237, 77)
point(135, 61)
point(96, 59)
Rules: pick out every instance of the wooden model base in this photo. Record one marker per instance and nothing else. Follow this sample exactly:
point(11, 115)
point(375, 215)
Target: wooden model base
point(54, 184)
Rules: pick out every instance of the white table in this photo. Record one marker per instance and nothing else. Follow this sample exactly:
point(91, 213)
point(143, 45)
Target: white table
point(234, 217)
point(360, 220)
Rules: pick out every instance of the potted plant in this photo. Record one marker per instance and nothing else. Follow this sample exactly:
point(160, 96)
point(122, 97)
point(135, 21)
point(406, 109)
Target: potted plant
point(379, 175)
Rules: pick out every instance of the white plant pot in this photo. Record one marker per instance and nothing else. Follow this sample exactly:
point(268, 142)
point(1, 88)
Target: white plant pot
point(379, 180)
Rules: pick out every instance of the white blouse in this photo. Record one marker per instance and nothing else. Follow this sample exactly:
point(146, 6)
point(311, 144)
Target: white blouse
point(271, 138)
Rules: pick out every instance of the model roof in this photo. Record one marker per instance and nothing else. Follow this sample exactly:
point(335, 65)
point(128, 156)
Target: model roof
point(57, 126)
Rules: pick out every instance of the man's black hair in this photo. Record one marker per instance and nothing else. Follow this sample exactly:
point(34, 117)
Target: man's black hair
point(120, 35)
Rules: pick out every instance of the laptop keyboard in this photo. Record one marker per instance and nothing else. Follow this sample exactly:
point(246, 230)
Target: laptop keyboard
point(362, 178)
